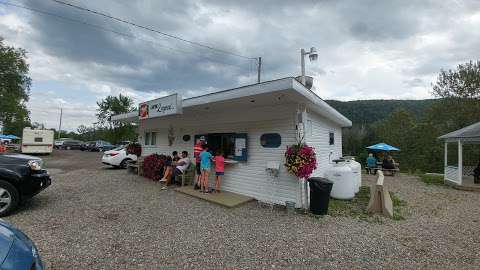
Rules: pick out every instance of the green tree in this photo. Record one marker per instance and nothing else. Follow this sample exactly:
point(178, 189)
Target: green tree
point(399, 129)
point(14, 89)
point(110, 106)
point(464, 82)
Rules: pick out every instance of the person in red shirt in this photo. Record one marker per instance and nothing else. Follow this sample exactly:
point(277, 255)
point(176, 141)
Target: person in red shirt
point(3, 148)
point(219, 169)
point(197, 149)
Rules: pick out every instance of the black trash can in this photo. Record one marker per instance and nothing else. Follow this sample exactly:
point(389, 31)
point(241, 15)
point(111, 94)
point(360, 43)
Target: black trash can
point(320, 189)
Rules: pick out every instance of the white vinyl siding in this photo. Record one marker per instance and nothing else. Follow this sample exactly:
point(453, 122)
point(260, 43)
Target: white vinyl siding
point(319, 138)
point(248, 178)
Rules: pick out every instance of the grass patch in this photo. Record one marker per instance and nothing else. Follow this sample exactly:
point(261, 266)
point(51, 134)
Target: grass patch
point(357, 207)
point(432, 179)
point(398, 206)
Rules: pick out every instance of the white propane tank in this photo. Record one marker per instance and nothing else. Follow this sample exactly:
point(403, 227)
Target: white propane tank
point(343, 180)
point(357, 173)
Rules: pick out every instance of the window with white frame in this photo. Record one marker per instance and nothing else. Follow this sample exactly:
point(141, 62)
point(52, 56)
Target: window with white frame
point(150, 138)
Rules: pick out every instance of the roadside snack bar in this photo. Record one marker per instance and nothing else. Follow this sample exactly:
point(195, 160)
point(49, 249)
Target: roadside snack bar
point(252, 125)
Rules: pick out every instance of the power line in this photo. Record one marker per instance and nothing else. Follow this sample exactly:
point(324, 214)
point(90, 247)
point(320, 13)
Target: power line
point(152, 30)
point(97, 27)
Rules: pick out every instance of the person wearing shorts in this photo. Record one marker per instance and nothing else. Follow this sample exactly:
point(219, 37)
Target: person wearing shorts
point(205, 165)
point(219, 169)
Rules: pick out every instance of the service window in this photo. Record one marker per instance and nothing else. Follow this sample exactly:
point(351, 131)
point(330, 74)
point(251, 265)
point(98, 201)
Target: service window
point(233, 145)
point(271, 140)
point(331, 138)
point(38, 139)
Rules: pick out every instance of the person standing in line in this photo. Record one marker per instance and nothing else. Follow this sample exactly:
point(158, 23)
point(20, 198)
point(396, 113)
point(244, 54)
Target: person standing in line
point(219, 169)
point(205, 165)
point(197, 149)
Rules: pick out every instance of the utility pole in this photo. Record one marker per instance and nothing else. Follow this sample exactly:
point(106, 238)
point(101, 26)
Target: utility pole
point(312, 54)
point(60, 124)
point(259, 69)
point(302, 63)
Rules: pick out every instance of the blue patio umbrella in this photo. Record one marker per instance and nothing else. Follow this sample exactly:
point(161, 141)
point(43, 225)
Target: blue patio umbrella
point(13, 137)
point(382, 147)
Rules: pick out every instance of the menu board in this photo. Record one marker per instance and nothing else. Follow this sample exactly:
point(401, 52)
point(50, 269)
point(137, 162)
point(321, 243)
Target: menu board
point(240, 144)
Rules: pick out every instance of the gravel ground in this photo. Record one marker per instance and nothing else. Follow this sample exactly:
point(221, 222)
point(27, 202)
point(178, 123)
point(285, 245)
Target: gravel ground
point(95, 217)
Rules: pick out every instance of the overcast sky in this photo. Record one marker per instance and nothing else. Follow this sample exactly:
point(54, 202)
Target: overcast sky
point(367, 49)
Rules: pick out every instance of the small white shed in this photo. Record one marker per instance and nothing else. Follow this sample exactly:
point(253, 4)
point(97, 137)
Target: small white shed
point(253, 125)
point(459, 174)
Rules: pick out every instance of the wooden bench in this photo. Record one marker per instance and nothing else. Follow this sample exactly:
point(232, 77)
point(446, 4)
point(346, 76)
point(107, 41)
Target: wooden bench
point(135, 166)
point(188, 175)
point(390, 172)
point(373, 170)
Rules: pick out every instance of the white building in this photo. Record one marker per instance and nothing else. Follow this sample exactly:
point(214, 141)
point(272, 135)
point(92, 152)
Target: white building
point(253, 125)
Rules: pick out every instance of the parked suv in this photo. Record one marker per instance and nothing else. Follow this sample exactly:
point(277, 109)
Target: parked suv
point(21, 177)
point(71, 145)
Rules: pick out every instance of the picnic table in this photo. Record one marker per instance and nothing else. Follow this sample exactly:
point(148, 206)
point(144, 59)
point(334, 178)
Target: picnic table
point(391, 172)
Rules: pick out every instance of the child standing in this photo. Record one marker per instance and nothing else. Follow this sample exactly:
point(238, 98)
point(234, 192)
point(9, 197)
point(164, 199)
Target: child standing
point(205, 165)
point(219, 169)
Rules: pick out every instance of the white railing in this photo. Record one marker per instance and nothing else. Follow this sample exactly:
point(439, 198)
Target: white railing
point(451, 174)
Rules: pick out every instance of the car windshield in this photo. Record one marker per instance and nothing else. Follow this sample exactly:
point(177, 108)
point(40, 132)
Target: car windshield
point(118, 148)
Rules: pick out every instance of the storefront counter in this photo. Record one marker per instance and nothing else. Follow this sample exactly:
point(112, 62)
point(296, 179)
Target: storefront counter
point(230, 161)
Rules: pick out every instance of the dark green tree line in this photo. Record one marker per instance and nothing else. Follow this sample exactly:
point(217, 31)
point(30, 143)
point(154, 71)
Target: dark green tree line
point(14, 89)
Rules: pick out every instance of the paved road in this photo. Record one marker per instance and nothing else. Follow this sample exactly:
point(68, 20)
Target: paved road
point(95, 217)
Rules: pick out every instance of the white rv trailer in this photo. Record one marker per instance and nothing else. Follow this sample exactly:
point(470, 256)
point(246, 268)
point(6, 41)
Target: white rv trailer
point(37, 141)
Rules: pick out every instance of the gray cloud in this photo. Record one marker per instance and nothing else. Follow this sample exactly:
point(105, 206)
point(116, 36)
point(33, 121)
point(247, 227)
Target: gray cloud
point(367, 49)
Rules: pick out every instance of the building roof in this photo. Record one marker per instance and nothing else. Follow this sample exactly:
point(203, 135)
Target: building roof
point(469, 132)
point(314, 101)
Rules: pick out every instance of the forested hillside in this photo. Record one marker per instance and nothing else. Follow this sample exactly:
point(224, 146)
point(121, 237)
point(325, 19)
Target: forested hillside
point(370, 111)
point(411, 125)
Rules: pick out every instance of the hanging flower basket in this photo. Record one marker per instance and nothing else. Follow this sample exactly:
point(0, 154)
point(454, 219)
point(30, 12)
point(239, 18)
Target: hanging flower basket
point(300, 160)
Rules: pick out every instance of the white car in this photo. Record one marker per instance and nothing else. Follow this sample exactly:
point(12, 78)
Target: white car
point(117, 157)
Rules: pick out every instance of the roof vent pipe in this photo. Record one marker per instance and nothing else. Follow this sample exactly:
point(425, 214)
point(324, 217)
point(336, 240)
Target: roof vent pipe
point(308, 81)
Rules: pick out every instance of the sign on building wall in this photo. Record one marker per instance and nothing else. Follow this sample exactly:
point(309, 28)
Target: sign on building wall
point(160, 107)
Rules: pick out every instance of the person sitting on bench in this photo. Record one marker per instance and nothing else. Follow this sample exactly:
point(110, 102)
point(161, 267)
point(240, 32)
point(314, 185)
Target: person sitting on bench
point(476, 174)
point(182, 165)
point(371, 164)
point(388, 163)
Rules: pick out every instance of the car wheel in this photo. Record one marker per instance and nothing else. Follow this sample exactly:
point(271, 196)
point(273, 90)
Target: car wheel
point(9, 198)
point(100, 149)
point(124, 162)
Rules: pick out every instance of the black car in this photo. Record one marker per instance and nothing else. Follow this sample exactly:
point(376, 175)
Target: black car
point(86, 146)
point(71, 145)
point(21, 177)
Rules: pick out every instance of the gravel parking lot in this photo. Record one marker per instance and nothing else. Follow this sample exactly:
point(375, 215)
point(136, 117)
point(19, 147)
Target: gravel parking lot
point(95, 217)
